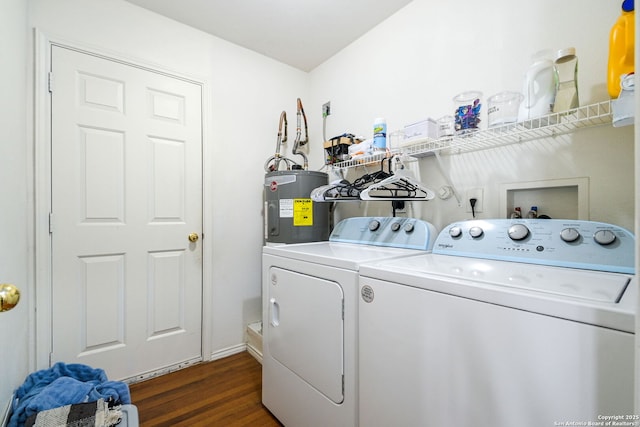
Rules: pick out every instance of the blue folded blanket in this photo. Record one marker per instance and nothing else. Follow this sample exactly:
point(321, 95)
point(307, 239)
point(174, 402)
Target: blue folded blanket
point(62, 385)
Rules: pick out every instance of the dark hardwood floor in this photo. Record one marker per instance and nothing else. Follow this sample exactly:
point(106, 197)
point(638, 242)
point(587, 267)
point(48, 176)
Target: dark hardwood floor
point(225, 392)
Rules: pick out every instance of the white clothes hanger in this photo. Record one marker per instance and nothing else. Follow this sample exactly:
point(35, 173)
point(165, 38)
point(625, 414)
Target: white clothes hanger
point(399, 186)
point(340, 191)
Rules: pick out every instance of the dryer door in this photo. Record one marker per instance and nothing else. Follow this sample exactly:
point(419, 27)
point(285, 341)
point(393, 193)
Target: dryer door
point(306, 325)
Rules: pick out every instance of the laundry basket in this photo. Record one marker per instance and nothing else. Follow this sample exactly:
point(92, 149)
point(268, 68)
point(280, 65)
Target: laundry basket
point(129, 416)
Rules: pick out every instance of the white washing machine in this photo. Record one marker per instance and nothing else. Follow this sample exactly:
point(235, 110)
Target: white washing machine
point(310, 300)
point(507, 322)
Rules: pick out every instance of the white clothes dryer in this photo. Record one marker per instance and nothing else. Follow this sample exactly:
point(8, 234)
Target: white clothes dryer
point(310, 300)
point(507, 322)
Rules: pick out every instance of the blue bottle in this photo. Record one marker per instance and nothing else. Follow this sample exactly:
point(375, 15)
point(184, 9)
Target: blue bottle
point(380, 134)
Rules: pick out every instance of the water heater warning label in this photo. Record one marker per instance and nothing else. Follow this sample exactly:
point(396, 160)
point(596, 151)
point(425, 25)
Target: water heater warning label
point(302, 212)
point(286, 208)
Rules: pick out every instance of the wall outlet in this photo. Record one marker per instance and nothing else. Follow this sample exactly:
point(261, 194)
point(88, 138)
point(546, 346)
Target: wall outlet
point(474, 193)
point(400, 206)
point(326, 109)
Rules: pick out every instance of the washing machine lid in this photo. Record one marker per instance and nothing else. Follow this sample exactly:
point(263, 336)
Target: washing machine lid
point(592, 297)
point(348, 256)
point(562, 282)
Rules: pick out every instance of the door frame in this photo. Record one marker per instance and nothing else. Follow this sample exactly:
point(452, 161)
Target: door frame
point(42, 190)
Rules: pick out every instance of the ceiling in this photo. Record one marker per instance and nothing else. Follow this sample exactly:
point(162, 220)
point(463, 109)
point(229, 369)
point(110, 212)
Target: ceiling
point(301, 33)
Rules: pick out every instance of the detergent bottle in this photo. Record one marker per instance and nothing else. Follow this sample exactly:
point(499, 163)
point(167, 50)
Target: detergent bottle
point(624, 107)
point(621, 48)
point(539, 87)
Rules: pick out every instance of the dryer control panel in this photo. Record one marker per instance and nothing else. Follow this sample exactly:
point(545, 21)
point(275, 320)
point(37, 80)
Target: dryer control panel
point(408, 233)
point(565, 243)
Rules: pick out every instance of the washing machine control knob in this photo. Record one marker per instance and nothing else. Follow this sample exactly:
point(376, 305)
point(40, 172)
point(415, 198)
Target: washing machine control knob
point(455, 231)
point(604, 237)
point(374, 225)
point(476, 232)
point(395, 226)
point(408, 227)
point(569, 235)
point(518, 232)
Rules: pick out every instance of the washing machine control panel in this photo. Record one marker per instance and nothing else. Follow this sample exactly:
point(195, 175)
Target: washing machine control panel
point(409, 233)
point(565, 243)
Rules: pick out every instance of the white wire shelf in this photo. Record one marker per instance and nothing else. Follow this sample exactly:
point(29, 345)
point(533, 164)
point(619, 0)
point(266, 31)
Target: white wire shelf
point(542, 127)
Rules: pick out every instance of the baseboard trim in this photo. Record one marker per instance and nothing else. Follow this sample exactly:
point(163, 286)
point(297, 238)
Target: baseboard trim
point(152, 374)
point(229, 351)
point(255, 353)
point(254, 340)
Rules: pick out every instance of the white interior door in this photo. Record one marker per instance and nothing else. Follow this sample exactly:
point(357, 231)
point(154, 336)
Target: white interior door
point(126, 194)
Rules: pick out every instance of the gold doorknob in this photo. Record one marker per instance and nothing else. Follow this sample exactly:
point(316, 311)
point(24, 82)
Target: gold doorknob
point(193, 237)
point(9, 296)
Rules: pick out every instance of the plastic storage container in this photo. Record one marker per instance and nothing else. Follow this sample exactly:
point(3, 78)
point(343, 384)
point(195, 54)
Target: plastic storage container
point(468, 106)
point(446, 126)
point(621, 48)
point(427, 128)
point(502, 108)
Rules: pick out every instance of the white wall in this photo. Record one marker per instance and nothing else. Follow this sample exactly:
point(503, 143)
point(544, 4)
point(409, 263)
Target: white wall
point(409, 67)
point(247, 93)
point(14, 324)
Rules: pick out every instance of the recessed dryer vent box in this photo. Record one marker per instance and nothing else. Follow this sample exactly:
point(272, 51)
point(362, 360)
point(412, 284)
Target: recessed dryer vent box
point(556, 198)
